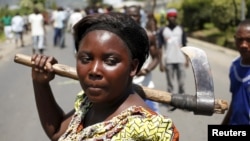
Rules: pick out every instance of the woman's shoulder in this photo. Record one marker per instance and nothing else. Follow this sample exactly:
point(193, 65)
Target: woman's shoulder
point(144, 115)
point(145, 121)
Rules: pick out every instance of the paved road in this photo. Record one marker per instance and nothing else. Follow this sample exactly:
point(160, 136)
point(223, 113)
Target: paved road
point(18, 111)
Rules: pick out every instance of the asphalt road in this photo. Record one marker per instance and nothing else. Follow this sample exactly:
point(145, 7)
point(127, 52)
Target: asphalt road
point(19, 118)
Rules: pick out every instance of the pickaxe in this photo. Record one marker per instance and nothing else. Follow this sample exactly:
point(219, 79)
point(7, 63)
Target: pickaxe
point(202, 103)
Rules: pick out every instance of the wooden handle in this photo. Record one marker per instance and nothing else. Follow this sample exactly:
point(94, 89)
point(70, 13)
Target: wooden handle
point(60, 69)
point(156, 95)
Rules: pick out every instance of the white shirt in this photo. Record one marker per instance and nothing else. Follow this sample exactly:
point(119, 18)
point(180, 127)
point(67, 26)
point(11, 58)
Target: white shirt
point(58, 18)
point(37, 24)
point(73, 19)
point(173, 42)
point(17, 23)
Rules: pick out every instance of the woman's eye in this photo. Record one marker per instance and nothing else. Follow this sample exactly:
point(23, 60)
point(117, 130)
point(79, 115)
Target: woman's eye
point(111, 61)
point(85, 59)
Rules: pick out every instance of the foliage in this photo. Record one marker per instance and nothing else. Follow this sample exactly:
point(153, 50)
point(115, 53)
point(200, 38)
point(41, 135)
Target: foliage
point(225, 7)
point(3, 11)
point(196, 13)
point(94, 2)
point(29, 5)
point(26, 7)
point(26, 4)
point(223, 15)
point(248, 7)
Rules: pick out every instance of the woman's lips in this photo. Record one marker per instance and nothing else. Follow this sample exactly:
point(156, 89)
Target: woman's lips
point(94, 90)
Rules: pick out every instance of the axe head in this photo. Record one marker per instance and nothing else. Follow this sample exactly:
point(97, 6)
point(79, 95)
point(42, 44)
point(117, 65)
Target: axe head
point(203, 101)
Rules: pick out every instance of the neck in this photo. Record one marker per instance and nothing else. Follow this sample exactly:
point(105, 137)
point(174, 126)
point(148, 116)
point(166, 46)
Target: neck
point(102, 112)
point(113, 105)
point(172, 26)
point(245, 61)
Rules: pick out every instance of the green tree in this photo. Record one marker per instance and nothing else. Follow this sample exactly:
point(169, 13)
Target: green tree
point(94, 2)
point(27, 6)
point(225, 16)
point(225, 13)
point(26, 3)
point(196, 13)
point(248, 9)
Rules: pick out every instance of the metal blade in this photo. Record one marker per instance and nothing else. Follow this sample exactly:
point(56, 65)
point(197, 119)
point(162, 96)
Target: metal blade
point(203, 79)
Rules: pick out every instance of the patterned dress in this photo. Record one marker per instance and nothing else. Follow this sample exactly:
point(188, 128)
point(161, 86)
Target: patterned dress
point(133, 124)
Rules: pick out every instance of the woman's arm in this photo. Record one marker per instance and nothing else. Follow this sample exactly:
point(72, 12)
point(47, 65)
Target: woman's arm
point(52, 117)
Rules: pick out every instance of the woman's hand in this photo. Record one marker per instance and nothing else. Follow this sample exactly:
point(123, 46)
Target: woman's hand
point(42, 70)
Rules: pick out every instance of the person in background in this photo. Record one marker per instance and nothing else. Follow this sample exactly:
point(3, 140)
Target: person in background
point(111, 49)
point(144, 77)
point(144, 17)
point(151, 24)
point(37, 25)
point(172, 60)
point(58, 21)
point(109, 9)
point(26, 23)
point(239, 74)
point(74, 17)
point(6, 20)
point(17, 26)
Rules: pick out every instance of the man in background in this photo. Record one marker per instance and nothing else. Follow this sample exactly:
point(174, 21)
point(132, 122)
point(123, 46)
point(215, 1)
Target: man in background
point(172, 60)
point(17, 26)
point(144, 77)
point(58, 20)
point(6, 20)
point(37, 24)
point(73, 19)
point(239, 74)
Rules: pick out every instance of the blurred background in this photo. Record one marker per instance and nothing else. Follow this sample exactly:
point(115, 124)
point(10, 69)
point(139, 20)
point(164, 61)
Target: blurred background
point(210, 20)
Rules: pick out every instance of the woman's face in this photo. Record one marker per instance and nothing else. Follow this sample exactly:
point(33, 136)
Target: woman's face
point(104, 66)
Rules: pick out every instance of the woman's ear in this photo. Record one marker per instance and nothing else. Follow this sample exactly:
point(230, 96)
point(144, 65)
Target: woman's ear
point(134, 66)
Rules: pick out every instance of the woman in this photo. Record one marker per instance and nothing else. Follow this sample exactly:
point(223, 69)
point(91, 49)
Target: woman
point(111, 49)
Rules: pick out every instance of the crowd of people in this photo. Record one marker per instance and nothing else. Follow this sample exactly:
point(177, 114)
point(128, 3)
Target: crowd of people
point(110, 47)
point(34, 23)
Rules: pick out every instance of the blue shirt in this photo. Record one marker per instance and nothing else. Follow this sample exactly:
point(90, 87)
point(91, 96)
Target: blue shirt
point(240, 88)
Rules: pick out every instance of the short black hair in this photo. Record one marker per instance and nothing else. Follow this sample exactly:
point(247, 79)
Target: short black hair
point(133, 35)
point(36, 10)
point(245, 22)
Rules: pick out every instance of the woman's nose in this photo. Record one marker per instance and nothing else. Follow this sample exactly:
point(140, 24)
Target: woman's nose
point(95, 71)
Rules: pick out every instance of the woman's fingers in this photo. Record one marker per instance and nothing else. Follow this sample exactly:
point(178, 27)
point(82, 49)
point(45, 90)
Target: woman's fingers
point(43, 63)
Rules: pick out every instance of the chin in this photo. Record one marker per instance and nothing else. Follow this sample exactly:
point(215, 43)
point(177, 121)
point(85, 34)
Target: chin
point(94, 98)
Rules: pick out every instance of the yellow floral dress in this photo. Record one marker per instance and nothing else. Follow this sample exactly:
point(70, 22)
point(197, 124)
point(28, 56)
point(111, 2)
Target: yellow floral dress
point(133, 124)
